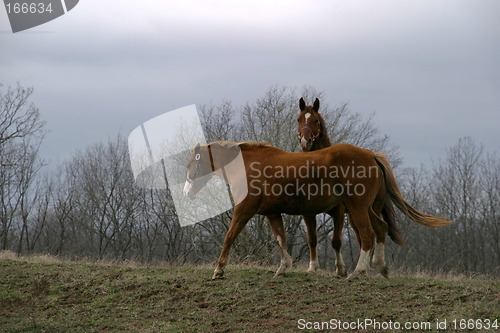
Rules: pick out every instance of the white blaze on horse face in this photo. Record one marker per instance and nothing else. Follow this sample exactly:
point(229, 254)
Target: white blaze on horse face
point(187, 187)
point(303, 141)
point(307, 117)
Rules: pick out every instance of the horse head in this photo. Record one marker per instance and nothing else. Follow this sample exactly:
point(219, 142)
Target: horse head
point(309, 127)
point(199, 171)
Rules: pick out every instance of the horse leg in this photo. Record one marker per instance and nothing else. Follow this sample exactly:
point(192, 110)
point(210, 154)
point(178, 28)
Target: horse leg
point(312, 240)
point(237, 224)
point(380, 227)
point(276, 222)
point(361, 221)
point(337, 214)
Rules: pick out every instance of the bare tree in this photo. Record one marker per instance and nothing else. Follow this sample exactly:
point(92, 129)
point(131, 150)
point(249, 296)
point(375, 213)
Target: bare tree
point(457, 196)
point(490, 210)
point(220, 121)
point(21, 134)
point(107, 196)
point(98, 211)
point(157, 233)
point(18, 118)
point(464, 186)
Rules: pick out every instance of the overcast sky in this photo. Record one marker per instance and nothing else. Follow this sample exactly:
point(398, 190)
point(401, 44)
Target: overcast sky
point(430, 70)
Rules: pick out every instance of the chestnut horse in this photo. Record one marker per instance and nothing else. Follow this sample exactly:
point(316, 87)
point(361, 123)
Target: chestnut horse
point(313, 135)
point(301, 184)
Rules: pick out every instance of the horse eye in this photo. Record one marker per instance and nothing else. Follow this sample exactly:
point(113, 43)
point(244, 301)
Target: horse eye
point(298, 120)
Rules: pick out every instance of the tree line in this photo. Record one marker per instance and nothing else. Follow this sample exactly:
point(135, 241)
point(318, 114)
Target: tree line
point(89, 207)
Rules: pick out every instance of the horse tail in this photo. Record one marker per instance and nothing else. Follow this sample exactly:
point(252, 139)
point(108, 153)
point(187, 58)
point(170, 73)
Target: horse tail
point(400, 202)
point(390, 219)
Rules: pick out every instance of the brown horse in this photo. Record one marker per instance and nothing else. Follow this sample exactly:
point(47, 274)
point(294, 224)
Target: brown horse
point(301, 184)
point(313, 135)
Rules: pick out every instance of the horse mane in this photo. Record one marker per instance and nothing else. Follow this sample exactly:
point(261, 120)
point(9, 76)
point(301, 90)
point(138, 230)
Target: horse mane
point(324, 138)
point(242, 145)
point(253, 144)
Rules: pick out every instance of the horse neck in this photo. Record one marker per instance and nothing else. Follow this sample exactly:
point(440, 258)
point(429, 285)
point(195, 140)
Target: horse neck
point(221, 157)
point(323, 141)
point(231, 172)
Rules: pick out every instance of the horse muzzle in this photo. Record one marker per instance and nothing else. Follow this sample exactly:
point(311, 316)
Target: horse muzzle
point(188, 190)
point(305, 144)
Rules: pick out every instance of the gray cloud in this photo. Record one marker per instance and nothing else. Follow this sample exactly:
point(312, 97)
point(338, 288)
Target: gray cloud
point(430, 71)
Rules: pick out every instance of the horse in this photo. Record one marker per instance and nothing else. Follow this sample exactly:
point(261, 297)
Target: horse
point(312, 134)
point(300, 183)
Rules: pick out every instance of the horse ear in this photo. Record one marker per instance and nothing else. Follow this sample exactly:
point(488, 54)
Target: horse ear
point(316, 105)
point(302, 104)
point(197, 148)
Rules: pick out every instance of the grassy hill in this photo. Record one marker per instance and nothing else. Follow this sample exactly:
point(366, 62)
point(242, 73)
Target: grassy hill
point(45, 294)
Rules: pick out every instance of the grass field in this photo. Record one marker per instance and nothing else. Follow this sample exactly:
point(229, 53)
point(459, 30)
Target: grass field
point(44, 294)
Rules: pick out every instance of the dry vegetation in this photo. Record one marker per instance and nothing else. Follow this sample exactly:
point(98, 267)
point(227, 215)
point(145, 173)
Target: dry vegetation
point(45, 294)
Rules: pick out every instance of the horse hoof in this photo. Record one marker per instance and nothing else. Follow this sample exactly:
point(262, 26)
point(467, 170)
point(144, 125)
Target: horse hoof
point(356, 275)
point(385, 272)
point(340, 272)
point(217, 275)
point(280, 272)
